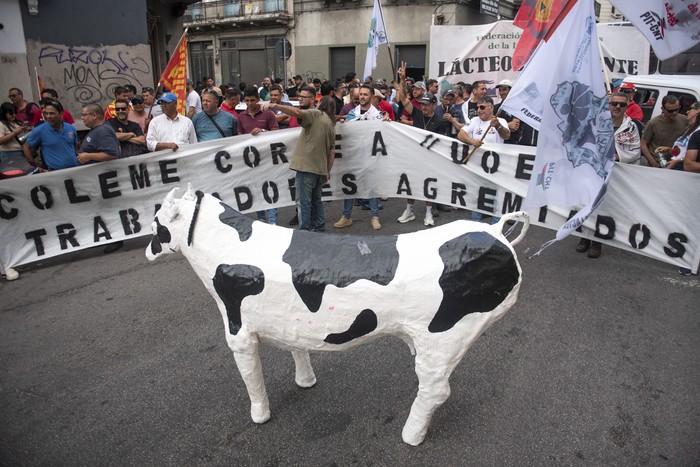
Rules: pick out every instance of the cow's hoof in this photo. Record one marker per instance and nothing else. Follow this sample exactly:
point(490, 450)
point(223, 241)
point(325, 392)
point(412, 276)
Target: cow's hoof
point(412, 437)
point(307, 383)
point(259, 414)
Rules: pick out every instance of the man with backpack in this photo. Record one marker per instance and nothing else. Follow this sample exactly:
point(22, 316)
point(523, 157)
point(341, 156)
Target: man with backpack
point(25, 112)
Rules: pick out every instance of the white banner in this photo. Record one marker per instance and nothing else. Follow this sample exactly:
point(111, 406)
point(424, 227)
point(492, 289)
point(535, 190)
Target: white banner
point(485, 52)
point(59, 212)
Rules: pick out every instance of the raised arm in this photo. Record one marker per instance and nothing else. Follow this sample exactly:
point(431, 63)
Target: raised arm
point(407, 105)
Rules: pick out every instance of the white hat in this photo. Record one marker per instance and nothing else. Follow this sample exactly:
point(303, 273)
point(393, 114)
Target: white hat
point(506, 83)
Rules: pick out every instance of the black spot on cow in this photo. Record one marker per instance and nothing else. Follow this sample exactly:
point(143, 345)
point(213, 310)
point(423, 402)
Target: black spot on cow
point(233, 283)
point(162, 236)
point(479, 273)
point(233, 218)
point(365, 323)
point(321, 260)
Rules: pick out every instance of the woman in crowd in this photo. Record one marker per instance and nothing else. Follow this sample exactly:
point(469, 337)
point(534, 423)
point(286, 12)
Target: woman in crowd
point(10, 132)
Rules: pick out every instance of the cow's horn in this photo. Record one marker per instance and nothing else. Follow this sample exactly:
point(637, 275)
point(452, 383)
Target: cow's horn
point(170, 197)
point(189, 194)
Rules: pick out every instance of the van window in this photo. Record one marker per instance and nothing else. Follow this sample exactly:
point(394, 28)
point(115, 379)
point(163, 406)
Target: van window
point(685, 99)
point(646, 98)
point(687, 63)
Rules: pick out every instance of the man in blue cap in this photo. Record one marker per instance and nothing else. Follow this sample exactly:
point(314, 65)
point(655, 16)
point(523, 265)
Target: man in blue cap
point(170, 130)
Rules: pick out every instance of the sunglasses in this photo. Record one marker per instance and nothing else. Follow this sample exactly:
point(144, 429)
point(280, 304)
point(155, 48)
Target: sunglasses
point(618, 104)
point(121, 109)
point(672, 111)
point(629, 91)
point(482, 107)
point(146, 89)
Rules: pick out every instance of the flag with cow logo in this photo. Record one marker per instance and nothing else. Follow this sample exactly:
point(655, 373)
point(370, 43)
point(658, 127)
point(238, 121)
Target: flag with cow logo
point(377, 36)
point(670, 26)
point(174, 78)
point(561, 93)
point(537, 19)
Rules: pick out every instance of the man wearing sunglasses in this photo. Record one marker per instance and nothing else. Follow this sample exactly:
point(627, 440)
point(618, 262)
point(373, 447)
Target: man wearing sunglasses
point(132, 140)
point(634, 111)
point(663, 130)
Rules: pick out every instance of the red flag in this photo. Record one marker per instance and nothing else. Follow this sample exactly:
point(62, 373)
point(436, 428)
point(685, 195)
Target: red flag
point(39, 82)
point(538, 19)
point(175, 75)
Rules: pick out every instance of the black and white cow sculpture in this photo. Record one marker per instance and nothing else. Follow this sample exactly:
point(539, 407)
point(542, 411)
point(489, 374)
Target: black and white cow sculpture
point(437, 289)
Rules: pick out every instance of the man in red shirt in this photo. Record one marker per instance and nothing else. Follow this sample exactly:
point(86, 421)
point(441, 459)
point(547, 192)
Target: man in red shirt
point(25, 112)
point(634, 111)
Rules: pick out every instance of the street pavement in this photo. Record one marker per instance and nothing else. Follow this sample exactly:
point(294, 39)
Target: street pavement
point(112, 360)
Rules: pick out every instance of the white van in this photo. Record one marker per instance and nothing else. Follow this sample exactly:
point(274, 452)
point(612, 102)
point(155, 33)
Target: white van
point(651, 89)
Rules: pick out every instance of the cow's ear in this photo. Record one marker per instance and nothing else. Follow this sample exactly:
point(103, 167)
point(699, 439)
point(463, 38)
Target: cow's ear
point(189, 195)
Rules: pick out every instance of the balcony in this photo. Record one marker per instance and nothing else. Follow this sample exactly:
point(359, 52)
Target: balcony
point(221, 13)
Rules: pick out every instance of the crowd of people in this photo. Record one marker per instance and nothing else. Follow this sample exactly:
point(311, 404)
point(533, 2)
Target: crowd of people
point(134, 124)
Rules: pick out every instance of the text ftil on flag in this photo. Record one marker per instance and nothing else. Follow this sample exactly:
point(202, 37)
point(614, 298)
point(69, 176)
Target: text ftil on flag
point(670, 26)
point(377, 36)
point(174, 77)
point(569, 107)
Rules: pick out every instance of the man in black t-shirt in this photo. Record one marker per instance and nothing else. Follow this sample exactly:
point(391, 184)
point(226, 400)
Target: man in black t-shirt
point(129, 134)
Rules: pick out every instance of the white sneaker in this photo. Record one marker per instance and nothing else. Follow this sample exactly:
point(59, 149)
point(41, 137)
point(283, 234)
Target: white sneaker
point(428, 221)
point(407, 216)
point(11, 274)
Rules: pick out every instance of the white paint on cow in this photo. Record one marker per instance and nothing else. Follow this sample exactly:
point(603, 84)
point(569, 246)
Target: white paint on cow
point(277, 315)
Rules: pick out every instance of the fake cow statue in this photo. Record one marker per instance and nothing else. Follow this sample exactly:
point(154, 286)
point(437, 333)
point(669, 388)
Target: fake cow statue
point(437, 289)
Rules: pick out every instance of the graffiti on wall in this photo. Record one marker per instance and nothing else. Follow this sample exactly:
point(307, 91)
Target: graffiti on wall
point(89, 75)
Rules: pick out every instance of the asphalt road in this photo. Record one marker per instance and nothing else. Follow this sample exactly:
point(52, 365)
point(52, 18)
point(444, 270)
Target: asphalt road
point(112, 360)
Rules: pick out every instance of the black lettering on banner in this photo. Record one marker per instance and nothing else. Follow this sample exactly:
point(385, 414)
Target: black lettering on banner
point(216, 195)
point(523, 170)
point(338, 140)
point(512, 202)
point(378, 144)
point(459, 191)
point(427, 138)
point(455, 70)
point(291, 184)
point(219, 163)
point(675, 248)
point(349, 185)
point(256, 156)
point(404, 186)
point(606, 222)
point(73, 195)
point(4, 213)
point(572, 213)
point(243, 204)
point(326, 190)
point(542, 217)
point(486, 199)
point(646, 236)
point(130, 221)
point(155, 211)
point(66, 234)
point(278, 155)
point(428, 191)
point(106, 186)
point(456, 158)
point(267, 186)
point(47, 202)
point(100, 229)
point(166, 171)
point(139, 178)
point(492, 168)
point(38, 243)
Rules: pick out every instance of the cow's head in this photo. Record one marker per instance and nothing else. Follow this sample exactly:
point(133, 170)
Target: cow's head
point(170, 227)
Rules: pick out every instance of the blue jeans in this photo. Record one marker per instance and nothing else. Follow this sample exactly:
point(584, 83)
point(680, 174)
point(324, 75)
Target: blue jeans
point(309, 204)
point(271, 215)
point(373, 207)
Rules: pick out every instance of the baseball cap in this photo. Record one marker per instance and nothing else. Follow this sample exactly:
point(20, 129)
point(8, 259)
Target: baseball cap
point(167, 97)
point(449, 92)
point(628, 86)
point(421, 84)
point(136, 99)
point(428, 98)
point(505, 83)
point(378, 93)
point(189, 81)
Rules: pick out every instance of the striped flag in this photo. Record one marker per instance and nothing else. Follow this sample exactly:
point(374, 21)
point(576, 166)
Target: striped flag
point(377, 36)
point(174, 78)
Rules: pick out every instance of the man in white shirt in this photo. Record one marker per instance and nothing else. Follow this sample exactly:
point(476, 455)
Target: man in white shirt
point(194, 102)
point(170, 130)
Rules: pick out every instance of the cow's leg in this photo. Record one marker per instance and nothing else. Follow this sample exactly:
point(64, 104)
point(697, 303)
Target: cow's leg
point(249, 365)
point(305, 377)
point(433, 390)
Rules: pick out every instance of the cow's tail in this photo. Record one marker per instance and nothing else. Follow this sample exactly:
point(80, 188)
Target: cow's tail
point(519, 216)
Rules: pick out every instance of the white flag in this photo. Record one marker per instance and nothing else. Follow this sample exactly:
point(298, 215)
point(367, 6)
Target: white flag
point(670, 26)
point(561, 93)
point(377, 36)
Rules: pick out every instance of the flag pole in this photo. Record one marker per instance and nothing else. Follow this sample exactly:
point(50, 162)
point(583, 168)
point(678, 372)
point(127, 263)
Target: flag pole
point(466, 159)
point(38, 84)
point(388, 46)
point(605, 70)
